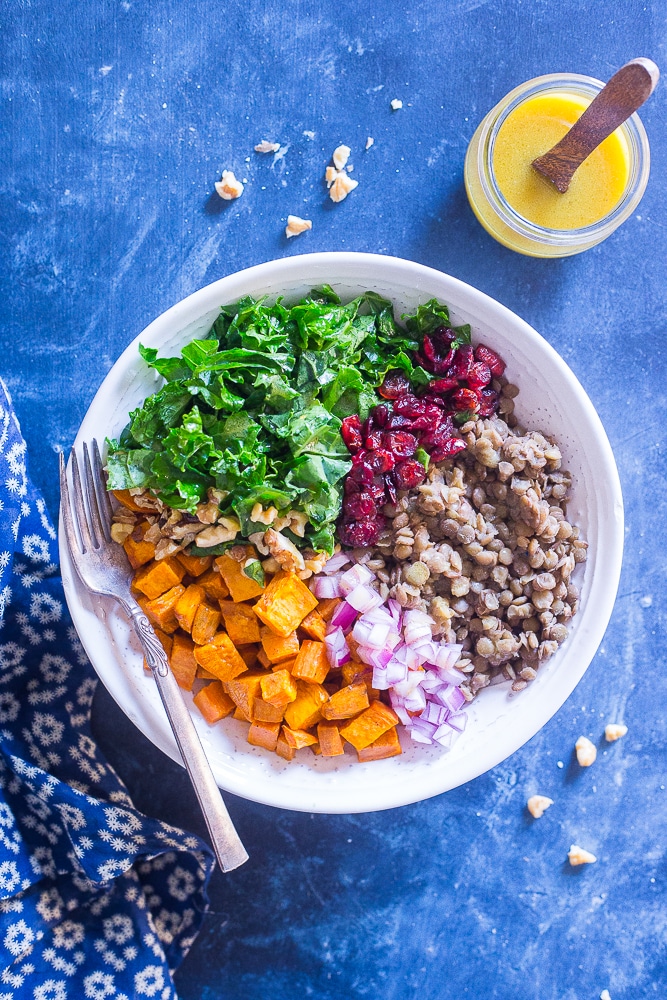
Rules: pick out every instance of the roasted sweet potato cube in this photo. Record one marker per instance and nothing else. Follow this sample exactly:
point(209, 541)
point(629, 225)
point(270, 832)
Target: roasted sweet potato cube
point(347, 702)
point(125, 499)
point(138, 551)
point(194, 565)
point(304, 711)
point(243, 691)
point(263, 659)
point(215, 587)
point(249, 655)
point(327, 606)
point(298, 738)
point(241, 587)
point(353, 646)
point(284, 750)
point(328, 736)
point(387, 745)
point(182, 662)
point(285, 603)
point(220, 657)
point(278, 688)
point(241, 715)
point(314, 625)
point(160, 612)
point(205, 624)
point(352, 672)
point(264, 734)
point(284, 665)
point(367, 727)
point(186, 606)
point(279, 647)
point(263, 712)
point(213, 702)
point(241, 623)
point(205, 675)
point(312, 662)
point(157, 578)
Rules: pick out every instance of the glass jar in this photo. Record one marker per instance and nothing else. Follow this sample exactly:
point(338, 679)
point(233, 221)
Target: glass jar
point(502, 221)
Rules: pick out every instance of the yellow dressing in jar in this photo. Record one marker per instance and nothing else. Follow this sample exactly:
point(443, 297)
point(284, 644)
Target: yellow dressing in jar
point(531, 130)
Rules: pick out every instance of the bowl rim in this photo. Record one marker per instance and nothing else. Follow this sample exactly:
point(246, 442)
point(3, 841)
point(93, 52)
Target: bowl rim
point(415, 785)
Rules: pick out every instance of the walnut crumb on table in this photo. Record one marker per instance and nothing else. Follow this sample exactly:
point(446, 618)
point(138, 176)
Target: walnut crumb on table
point(586, 752)
point(341, 155)
point(339, 183)
point(295, 225)
point(538, 804)
point(578, 856)
point(229, 187)
point(605, 995)
point(267, 147)
point(370, 142)
point(614, 731)
point(396, 105)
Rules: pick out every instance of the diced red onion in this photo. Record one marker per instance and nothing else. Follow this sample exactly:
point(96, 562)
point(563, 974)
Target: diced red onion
point(416, 702)
point(379, 616)
point(452, 698)
point(405, 688)
point(396, 671)
point(363, 598)
point(325, 587)
point(415, 634)
point(352, 577)
point(419, 737)
point(379, 657)
point(369, 634)
point(422, 726)
point(344, 616)
point(435, 713)
point(452, 676)
point(380, 680)
point(401, 712)
point(337, 649)
point(446, 656)
point(444, 736)
point(395, 610)
point(458, 721)
point(335, 563)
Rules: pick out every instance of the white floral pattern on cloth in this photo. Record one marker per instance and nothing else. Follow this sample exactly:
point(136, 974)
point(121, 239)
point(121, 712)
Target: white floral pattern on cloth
point(96, 900)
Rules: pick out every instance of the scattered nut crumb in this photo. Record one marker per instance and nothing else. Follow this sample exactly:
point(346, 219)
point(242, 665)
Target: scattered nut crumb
point(537, 804)
point(229, 188)
point(341, 187)
point(614, 731)
point(369, 142)
point(330, 175)
point(396, 105)
point(578, 856)
point(605, 995)
point(586, 752)
point(267, 147)
point(295, 225)
point(341, 155)
point(309, 134)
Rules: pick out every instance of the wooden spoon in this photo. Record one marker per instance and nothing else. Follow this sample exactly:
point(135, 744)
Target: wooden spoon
point(626, 91)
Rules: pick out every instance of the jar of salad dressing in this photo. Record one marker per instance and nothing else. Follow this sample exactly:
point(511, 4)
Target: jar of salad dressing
point(523, 210)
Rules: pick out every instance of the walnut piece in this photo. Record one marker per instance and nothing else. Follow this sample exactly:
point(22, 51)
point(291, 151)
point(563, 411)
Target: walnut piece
point(537, 804)
point(578, 856)
point(284, 552)
point(341, 155)
point(369, 142)
point(614, 731)
point(296, 225)
point(229, 188)
point(267, 147)
point(605, 995)
point(119, 532)
point(396, 105)
point(260, 516)
point(341, 187)
point(226, 531)
point(586, 752)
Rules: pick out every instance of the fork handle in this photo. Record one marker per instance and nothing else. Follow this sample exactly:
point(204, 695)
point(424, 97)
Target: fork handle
point(227, 845)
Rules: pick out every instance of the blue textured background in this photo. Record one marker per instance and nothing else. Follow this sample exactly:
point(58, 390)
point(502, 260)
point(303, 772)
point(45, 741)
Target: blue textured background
point(117, 118)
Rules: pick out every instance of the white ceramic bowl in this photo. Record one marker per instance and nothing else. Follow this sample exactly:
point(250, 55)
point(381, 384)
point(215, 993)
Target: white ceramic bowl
point(551, 399)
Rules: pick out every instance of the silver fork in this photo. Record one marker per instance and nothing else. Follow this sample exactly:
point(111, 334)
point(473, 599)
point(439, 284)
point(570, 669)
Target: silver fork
point(104, 569)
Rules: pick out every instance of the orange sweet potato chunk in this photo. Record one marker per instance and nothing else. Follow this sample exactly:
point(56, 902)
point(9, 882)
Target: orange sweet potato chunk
point(367, 727)
point(249, 655)
point(125, 499)
point(182, 662)
point(194, 565)
point(243, 691)
point(284, 750)
point(327, 606)
point(353, 672)
point(213, 702)
point(387, 745)
point(328, 737)
point(312, 662)
point(186, 606)
point(278, 688)
point(157, 578)
point(220, 657)
point(205, 624)
point(160, 612)
point(264, 734)
point(215, 587)
point(241, 587)
point(304, 711)
point(262, 711)
point(314, 625)
point(278, 647)
point(347, 702)
point(138, 551)
point(285, 603)
point(298, 738)
point(241, 623)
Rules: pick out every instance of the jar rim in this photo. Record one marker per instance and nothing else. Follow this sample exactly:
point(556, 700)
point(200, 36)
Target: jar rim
point(638, 146)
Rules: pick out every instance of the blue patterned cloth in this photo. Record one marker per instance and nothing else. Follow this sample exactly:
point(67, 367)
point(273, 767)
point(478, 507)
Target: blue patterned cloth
point(96, 900)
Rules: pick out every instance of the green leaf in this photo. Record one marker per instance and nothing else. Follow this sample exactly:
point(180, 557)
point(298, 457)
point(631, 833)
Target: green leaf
point(255, 571)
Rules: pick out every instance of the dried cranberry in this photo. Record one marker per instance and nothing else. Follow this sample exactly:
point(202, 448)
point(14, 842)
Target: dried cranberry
point(488, 402)
point(444, 335)
point(395, 421)
point(361, 473)
point(395, 385)
point(351, 433)
point(359, 506)
point(429, 421)
point(490, 358)
point(436, 401)
point(479, 375)
point(409, 473)
point(373, 440)
point(463, 359)
point(444, 384)
point(376, 488)
point(359, 534)
point(436, 359)
point(380, 415)
point(410, 406)
point(439, 436)
point(448, 449)
point(380, 460)
point(402, 444)
point(465, 399)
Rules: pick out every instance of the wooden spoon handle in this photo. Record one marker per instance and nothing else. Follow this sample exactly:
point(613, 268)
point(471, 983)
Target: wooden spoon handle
point(623, 94)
